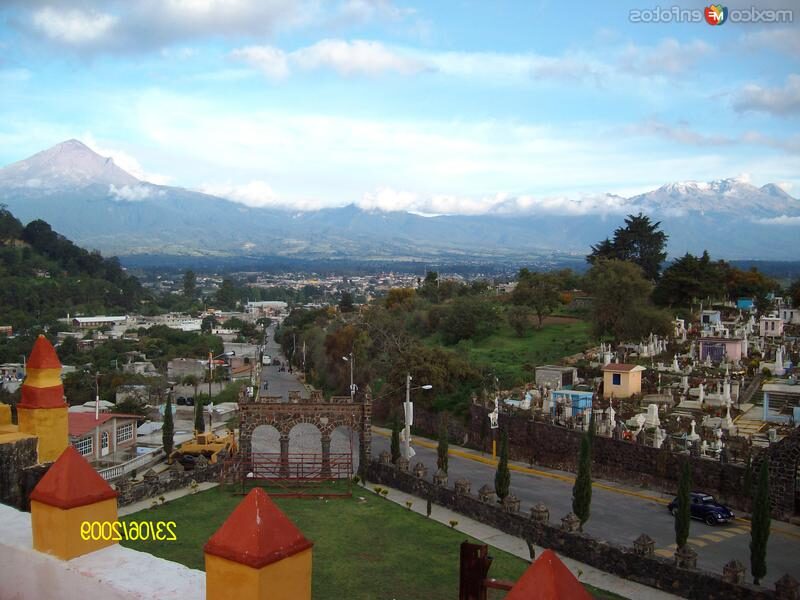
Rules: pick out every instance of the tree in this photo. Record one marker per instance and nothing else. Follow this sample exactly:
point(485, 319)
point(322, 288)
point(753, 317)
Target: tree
point(395, 447)
point(468, 317)
point(227, 294)
point(759, 525)
point(442, 448)
point(502, 478)
point(689, 278)
point(429, 289)
point(794, 292)
point(519, 319)
point(640, 241)
point(346, 303)
point(193, 381)
point(189, 284)
point(199, 420)
point(168, 430)
point(682, 511)
point(538, 291)
point(621, 305)
point(582, 490)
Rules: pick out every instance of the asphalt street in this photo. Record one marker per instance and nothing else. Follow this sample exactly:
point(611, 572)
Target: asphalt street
point(621, 514)
point(280, 383)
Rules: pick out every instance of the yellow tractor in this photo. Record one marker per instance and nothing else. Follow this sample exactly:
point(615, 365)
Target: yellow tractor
point(207, 444)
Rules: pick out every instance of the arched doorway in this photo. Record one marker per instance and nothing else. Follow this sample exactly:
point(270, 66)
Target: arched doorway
point(343, 441)
point(305, 441)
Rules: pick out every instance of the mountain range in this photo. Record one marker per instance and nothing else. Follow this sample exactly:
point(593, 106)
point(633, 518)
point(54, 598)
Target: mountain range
point(99, 205)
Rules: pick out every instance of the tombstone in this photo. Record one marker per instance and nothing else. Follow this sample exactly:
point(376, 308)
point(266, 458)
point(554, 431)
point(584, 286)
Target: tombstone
point(685, 382)
point(701, 396)
point(693, 436)
point(571, 523)
point(420, 470)
point(402, 464)
point(486, 493)
point(652, 420)
point(733, 572)
point(526, 401)
point(703, 448)
point(440, 478)
point(686, 557)
point(787, 588)
point(511, 503)
point(644, 545)
point(150, 476)
point(462, 487)
point(201, 462)
point(617, 432)
point(658, 439)
point(385, 458)
point(540, 513)
point(675, 366)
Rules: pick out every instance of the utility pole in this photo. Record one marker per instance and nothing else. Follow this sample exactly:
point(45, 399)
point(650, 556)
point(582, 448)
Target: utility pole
point(408, 409)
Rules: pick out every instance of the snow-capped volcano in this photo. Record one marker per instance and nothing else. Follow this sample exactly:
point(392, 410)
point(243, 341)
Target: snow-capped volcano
point(66, 165)
point(725, 196)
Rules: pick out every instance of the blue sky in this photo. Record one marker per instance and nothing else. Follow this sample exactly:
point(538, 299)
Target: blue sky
point(457, 107)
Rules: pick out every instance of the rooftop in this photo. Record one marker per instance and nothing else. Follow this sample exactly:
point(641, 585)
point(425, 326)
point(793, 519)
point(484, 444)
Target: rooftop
point(623, 368)
point(81, 423)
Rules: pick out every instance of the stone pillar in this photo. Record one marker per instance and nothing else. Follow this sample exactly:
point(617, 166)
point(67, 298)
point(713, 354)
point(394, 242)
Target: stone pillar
point(69, 494)
point(571, 523)
point(420, 470)
point(385, 458)
point(686, 557)
point(326, 455)
point(511, 503)
point(271, 561)
point(402, 464)
point(733, 572)
point(486, 493)
point(787, 588)
point(644, 545)
point(540, 513)
point(284, 468)
point(440, 478)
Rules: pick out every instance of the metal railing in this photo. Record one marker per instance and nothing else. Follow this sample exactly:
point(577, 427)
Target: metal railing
point(121, 469)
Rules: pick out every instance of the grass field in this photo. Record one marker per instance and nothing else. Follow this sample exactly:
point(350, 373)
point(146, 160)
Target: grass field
point(514, 358)
point(363, 550)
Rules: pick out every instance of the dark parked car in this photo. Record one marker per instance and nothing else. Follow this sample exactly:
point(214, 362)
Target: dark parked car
point(189, 401)
point(705, 508)
point(276, 362)
point(181, 400)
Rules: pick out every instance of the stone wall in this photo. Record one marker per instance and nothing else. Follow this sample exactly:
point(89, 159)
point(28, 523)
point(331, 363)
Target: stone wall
point(153, 485)
point(652, 570)
point(15, 457)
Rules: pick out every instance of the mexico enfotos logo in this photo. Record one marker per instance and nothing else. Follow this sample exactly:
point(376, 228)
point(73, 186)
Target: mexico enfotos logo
point(714, 14)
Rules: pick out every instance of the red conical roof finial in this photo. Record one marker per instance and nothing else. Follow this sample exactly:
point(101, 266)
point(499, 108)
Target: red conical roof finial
point(43, 355)
point(71, 482)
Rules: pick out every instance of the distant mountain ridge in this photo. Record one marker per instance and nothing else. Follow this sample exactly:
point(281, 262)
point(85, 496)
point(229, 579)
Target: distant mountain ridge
point(92, 200)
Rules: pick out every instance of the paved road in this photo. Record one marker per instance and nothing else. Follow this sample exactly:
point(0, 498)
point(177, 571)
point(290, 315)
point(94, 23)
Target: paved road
point(620, 514)
point(280, 383)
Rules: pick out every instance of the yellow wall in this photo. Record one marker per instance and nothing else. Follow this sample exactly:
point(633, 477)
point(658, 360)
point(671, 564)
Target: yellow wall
point(50, 425)
point(58, 531)
point(5, 414)
point(287, 579)
point(630, 384)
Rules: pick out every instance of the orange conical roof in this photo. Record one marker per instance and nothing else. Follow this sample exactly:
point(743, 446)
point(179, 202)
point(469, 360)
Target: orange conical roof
point(548, 579)
point(257, 533)
point(71, 481)
point(43, 355)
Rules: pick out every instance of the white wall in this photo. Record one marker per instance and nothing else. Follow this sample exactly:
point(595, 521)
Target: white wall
point(113, 573)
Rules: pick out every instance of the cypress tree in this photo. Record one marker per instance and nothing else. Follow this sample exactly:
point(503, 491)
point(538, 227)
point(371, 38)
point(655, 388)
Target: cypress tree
point(682, 512)
point(582, 490)
point(442, 448)
point(168, 430)
point(199, 421)
point(395, 447)
point(759, 525)
point(502, 479)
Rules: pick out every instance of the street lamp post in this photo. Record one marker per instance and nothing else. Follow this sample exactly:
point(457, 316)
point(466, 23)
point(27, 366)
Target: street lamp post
point(352, 360)
point(408, 410)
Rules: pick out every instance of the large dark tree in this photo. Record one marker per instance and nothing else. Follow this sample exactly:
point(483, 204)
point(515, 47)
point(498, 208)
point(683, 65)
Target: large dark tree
point(190, 284)
point(639, 241)
point(502, 478)
point(688, 278)
point(681, 512)
point(443, 447)
point(759, 525)
point(199, 420)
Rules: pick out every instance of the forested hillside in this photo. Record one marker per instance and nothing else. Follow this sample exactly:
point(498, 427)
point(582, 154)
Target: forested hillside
point(43, 275)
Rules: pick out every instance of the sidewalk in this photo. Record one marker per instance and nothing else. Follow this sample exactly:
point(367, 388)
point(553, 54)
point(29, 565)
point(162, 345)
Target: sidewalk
point(518, 547)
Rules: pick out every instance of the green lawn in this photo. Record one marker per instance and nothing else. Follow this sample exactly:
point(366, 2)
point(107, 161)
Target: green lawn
point(362, 550)
point(514, 358)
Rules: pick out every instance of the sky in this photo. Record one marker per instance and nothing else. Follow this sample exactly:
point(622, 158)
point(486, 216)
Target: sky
point(434, 107)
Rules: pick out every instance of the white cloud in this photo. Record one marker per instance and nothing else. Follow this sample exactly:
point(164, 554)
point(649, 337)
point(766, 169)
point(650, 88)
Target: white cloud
point(784, 220)
point(125, 161)
point(778, 101)
point(785, 41)
point(133, 193)
point(669, 57)
point(74, 27)
point(272, 62)
point(253, 193)
point(358, 57)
